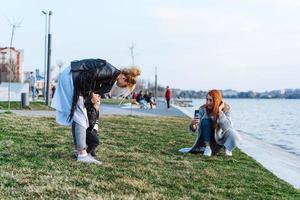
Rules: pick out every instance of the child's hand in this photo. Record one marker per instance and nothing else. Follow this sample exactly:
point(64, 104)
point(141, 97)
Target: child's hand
point(95, 98)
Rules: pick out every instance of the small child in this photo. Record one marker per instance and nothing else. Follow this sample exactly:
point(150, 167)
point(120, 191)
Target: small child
point(92, 106)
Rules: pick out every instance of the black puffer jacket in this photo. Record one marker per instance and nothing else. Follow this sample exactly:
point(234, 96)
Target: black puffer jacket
point(91, 75)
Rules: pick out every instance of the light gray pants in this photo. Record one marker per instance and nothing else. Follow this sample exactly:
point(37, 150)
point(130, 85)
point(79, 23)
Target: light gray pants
point(231, 139)
point(79, 136)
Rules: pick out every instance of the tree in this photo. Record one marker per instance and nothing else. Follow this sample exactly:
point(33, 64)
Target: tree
point(14, 26)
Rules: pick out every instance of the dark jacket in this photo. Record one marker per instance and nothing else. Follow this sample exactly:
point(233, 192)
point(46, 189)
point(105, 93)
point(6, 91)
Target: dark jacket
point(92, 138)
point(139, 97)
point(91, 75)
point(148, 98)
point(94, 75)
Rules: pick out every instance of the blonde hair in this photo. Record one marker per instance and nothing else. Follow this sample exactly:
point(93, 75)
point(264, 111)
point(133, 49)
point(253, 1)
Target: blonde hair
point(131, 74)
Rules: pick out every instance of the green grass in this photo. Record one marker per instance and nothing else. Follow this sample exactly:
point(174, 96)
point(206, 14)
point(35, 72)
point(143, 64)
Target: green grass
point(16, 105)
point(114, 101)
point(34, 105)
point(141, 161)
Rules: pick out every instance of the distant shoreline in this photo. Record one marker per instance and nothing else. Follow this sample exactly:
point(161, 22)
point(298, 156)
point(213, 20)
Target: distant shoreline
point(229, 93)
point(225, 97)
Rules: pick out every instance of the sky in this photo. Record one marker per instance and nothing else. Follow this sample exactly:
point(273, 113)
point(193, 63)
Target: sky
point(195, 44)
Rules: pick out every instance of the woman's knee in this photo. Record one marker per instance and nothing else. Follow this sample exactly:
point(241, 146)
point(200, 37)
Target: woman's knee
point(206, 123)
point(235, 137)
point(233, 140)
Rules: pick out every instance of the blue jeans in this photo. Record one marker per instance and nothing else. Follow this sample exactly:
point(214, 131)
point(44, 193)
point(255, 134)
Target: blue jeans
point(32, 91)
point(79, 136)
point(206, 129)
point(143, 104)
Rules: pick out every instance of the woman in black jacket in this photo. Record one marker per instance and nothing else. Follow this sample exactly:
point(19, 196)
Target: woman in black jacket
point(78, 81)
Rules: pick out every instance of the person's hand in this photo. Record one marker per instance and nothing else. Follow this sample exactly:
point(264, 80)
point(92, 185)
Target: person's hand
point(221, 107)
point(95, 98)
point(195, 121)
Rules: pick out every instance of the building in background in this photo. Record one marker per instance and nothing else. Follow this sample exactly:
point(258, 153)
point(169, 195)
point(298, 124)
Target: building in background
point(11, 73)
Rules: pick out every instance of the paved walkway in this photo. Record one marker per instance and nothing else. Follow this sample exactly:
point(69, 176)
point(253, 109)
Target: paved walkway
point(126, 109)
point(280, 162)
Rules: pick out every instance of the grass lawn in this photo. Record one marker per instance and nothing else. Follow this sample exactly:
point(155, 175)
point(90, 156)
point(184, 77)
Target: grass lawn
point(16, 105)
point(114, 101)
point(140, 158)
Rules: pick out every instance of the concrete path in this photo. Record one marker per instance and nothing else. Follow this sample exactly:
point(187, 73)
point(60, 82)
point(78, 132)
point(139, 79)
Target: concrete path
point(33, 113)
point(126, 109)
point(280, 162)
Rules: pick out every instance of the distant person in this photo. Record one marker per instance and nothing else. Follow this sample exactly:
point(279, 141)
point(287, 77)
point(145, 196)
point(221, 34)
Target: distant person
point(133, 98)
point(32, 84)
point(168, 96)
point(141, 100)
point(214, 125)
point(139, 96)
point(77, 82)
point(149, 99)
point(53, 87)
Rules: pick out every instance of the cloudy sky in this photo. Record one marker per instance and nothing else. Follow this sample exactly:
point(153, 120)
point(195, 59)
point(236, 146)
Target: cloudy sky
point(195, 44)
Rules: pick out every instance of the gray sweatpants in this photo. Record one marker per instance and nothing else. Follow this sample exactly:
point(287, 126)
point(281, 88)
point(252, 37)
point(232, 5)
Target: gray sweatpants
point(79, 136)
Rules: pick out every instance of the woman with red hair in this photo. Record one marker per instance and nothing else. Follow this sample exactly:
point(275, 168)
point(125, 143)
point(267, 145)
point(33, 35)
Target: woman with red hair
point(214, 124)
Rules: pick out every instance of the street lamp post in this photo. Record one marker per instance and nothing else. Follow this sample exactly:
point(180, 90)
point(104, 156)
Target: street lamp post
point(45, 53)
point(48, 59)
point(155, 91)
point(48, 15)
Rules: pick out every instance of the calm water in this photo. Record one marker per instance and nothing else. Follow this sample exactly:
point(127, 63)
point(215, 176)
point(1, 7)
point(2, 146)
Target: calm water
point(275, 121)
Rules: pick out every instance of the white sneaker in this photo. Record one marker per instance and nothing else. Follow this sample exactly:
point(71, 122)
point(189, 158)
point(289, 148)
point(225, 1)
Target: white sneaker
point(207, 151)
point(88, 159)
point(227, 152)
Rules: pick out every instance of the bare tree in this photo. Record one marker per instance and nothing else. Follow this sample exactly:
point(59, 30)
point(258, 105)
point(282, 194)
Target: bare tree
point(12, 62)
point(12, 65)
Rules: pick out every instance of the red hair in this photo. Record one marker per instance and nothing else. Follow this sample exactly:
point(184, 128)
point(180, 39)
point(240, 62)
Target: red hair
point(217, 100)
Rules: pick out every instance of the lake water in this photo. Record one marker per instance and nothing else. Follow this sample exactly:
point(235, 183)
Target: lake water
point(274, 121)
